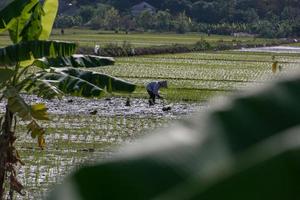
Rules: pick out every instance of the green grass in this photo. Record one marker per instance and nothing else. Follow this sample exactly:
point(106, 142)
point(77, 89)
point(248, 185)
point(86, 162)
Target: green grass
point(295, 44)
point(91, 37)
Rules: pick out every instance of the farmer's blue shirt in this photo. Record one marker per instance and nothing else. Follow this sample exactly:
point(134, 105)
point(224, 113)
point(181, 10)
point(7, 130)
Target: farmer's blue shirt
point(153, 87)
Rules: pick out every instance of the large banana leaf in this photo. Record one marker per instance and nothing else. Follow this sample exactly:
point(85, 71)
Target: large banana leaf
point(38, 49)
point(269, 170)
point(85, 61)
point(104, 81)
point(75, 82)
point(17, 104)
point(241, 148)
point(72, 85)
point(6, 74)
point(50, 9)
point(14, 10)
point(33, 28)
point(17, 24)
point(42, 88)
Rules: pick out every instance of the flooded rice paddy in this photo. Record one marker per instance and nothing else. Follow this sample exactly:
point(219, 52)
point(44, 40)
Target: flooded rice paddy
point(88, 130)
point(84, 131)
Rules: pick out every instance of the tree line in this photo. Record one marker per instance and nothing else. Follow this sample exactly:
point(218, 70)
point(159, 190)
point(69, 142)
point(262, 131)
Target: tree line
point(272, 18)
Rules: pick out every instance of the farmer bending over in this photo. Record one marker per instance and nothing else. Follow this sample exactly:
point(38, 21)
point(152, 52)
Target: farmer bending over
point(153, 88)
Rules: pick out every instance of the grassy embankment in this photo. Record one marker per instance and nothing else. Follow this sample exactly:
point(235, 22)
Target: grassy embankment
point(90, 37)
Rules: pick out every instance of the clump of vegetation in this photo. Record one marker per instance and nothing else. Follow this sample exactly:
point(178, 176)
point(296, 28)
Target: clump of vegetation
point(126, 49)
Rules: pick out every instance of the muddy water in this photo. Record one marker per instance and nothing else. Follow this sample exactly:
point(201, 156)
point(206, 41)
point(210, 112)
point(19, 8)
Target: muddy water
point(275, 49)
point(84, 131)
point(113, 106)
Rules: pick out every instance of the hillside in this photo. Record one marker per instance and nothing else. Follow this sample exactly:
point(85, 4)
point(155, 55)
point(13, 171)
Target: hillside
point(211, 11)
point(208, 11)
point(271, 18)
point(232, 10)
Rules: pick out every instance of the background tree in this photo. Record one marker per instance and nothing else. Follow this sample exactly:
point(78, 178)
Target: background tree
point(202, 9)
point(111, 19)
point(163, 20)
point(177, 6)
point(97, 21)
point(247, 16)
point(182, 23)
point(127, 23)
point(145, 20)
point(67, 21)
point(86, 13)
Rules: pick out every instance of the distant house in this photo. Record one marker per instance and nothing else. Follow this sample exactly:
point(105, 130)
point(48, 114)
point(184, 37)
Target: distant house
point(141, 7)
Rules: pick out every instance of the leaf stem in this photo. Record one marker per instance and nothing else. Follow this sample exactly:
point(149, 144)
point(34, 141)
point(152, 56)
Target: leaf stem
point(23, 71)
point(16, 77)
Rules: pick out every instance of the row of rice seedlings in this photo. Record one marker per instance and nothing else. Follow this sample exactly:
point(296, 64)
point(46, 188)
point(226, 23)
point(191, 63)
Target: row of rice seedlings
point(68, 147)
point(200, 74)
point(221, 55)
point(196, 84)
point(205, 62)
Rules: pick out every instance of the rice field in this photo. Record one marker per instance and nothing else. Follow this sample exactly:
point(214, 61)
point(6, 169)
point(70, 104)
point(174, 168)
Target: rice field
point(74, 139)
point(199, 76)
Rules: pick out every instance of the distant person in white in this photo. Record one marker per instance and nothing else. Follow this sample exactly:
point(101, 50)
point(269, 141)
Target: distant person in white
point(153, 90)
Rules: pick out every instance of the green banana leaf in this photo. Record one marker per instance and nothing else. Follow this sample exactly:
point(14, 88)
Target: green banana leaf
point(268, 170)
point(17, 24)
point(204, 157)
point(104, 81)
point(38, 49)
point(74, 82)
point(34, 22)
point(14, 10)
point(50, 9)
point(77, 60)
point(33, 28)
point(6, 74)
point(17, 104)
point(41, 88)
point(72, 85)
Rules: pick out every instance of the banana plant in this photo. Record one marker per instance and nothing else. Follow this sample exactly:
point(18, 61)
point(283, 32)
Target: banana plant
point(36, 65)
